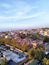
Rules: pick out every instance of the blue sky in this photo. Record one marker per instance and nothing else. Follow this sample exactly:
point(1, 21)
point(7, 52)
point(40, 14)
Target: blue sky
point(22, 14)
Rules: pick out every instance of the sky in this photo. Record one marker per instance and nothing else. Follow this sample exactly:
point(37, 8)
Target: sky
point(23, 14)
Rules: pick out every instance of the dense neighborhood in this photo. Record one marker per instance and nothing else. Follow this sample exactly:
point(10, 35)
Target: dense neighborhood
point(24, 47)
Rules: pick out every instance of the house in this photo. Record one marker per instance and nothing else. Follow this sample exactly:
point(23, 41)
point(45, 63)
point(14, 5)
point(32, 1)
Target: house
point(34, 43)
point(15, 57)
point(11, 62)
point(46, 47)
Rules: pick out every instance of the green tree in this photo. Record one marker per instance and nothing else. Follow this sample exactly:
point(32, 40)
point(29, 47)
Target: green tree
point(21, 35)
point(31, 53)
point(45, 61)
point(46, 39)
point(40, 54)
point(3, 62)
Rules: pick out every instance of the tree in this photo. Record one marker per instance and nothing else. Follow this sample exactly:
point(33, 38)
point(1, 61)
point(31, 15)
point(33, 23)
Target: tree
point(47, 56)
point(40, 54)
point(3, 62)
point(45, 61)
point(33, 37)
point(46, 39)
point(32, 53)
point(24, 47)
point(21, 35)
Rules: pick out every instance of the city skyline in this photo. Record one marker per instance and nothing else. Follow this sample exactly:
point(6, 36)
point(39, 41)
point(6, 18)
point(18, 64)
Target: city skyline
point(22, 14)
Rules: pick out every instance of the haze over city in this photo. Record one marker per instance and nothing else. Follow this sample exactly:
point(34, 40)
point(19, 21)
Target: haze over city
point(23, 14)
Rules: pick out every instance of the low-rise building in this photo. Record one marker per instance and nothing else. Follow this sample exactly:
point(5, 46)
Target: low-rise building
point(15, 55)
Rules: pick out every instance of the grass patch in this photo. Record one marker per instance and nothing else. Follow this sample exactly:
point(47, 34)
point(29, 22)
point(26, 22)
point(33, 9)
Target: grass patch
point(35, 62)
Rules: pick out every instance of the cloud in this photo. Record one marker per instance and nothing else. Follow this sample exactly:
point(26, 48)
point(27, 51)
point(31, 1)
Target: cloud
point(24, 10)
point(35, 15)
point(17, 8)
point(20, 13)
point(4, 18)
point(29, 8)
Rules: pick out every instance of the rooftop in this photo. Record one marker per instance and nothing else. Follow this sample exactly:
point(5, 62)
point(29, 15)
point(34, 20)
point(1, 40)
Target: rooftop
point(12, 55)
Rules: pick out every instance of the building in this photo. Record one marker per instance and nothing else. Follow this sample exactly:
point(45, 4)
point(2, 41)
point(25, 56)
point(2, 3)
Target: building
point(16, 56)
point(34, 43)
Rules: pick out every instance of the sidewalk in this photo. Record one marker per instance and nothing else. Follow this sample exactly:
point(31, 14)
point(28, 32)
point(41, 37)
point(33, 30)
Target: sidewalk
point(29, 62)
